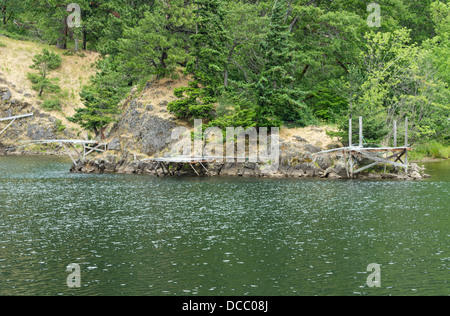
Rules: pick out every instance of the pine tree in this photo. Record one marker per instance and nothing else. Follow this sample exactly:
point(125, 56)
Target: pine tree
point(157, 45)
point(278, 98)
point(207, 62)
point(44, 63)
point(101, 99)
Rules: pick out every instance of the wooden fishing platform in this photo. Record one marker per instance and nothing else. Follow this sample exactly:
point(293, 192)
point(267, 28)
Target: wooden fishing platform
point(88, 146)
point(164, 163)
point(395, 155)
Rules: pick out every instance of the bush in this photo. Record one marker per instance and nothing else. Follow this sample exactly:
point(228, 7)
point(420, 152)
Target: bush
point(52, 105)
point(59, 126)
point(40, 83)
point(432, 149)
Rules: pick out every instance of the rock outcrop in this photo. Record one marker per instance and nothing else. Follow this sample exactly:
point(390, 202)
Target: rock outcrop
point(37, 127)
point(300, 165)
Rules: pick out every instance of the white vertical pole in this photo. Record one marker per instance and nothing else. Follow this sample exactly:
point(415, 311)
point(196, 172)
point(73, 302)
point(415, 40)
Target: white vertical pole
point(406, 132)
point(406, 145)
point(350, 132)
point(395, 133)
point(360, 131)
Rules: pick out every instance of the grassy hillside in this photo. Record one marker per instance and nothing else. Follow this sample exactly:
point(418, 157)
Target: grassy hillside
point(75, 71)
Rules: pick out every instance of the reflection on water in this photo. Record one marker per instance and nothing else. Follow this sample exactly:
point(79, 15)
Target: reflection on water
point(139, 235)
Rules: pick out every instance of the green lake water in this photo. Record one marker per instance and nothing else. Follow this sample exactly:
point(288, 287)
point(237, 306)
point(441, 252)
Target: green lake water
point(142, 235)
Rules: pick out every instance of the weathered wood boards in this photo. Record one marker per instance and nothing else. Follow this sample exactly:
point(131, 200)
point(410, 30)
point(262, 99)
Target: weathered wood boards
point(13, 119)
point(381, 155)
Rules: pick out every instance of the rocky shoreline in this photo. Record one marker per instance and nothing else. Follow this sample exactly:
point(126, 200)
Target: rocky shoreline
point(303, 165)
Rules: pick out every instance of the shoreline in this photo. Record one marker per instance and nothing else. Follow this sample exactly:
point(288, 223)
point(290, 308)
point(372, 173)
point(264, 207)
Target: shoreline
point(59, 154)
point(305, 166)
point(301, 165)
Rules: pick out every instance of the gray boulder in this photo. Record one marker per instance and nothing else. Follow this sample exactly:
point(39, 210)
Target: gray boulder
point(114, 144)
point(323, 161)
point(5, 94)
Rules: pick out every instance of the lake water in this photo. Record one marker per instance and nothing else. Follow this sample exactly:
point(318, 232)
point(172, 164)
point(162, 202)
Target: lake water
point(141, 235)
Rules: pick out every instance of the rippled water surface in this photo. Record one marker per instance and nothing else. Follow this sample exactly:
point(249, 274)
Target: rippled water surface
point(140, 235)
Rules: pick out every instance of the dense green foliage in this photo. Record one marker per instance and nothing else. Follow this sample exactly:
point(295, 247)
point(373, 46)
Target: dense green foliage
point(262, 63)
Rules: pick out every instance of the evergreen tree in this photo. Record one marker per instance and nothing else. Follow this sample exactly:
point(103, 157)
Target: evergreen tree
point(101, 99)
point(157, 45)
point(278, 98)
point(44, 63)
point(207, 62)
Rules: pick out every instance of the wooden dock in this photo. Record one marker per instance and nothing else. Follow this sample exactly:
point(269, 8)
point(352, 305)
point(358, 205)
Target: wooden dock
point(164, 163)
point(395, 156)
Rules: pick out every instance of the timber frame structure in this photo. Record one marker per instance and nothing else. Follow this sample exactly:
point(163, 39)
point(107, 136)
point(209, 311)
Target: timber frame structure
point(164, 163)
point(13, 119)
point(395, 156)
point(89, 146)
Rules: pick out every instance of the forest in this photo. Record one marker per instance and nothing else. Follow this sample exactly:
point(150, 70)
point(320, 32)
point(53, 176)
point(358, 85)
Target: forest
point(260, 63)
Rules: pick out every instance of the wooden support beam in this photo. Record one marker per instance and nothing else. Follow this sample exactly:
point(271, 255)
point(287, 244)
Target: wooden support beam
point(166, 168)
point(400, 156)
point(346, 167)
point(395, 133)
point(92, 149)
point(15, 117)
point(366, 167)
point(406, 132)
point(350, 132)
point(194, 169)
point(73, 147)
point(203, 166)
point(156, 170)
point(68, 152)
point(383, 160)
point(162, 168)
point(10, 123)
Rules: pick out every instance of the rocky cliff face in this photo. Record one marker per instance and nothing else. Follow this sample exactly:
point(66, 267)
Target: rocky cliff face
point(145, 127)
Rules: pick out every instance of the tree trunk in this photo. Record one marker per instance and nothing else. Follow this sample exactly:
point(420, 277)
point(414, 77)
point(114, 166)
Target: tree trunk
point(225, 75)
point(84, 39)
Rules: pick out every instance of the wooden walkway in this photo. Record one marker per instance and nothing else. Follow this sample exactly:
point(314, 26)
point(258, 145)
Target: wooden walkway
point(89, 146)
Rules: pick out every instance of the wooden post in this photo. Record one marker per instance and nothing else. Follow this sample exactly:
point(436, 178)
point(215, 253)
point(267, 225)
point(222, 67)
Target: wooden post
point(406, 145)
point(406, 132)
point(68, 153)
point(350, 132)
point(360, 131)
point(346, 166)
point(395, 133)
point(350, 163)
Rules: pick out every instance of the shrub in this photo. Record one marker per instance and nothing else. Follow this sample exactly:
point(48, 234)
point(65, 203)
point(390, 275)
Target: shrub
point(52, 105)
point(59, 126)
point(432, 149)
